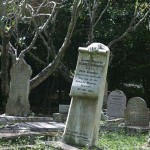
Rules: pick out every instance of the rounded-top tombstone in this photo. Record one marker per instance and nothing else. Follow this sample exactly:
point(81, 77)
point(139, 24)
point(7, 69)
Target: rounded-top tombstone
point(136, 113)
point(18, 103)
point(116, 104)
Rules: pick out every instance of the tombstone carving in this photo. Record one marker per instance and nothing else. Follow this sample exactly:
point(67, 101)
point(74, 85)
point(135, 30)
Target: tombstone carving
point(18, 103)
point(87, 91)
point(136, 113)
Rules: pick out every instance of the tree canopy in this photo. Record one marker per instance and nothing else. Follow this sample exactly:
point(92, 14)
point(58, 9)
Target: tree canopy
point(48, 33)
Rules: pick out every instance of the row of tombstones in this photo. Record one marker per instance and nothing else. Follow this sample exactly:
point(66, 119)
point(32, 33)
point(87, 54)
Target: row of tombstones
point(135, 113)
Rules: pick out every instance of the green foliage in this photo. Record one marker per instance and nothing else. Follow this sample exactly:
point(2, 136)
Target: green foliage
point(107, 141)
point(121, 141)
point(130, 62)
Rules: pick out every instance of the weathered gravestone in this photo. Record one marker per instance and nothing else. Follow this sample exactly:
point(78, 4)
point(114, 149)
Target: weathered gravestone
point(62, 115)
point(18, 103)
point(87, 91)
point(116, 104)
point(136, 113)
point(63, 109)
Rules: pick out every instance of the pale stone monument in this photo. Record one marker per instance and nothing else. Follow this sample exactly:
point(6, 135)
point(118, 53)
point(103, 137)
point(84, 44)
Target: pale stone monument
point(116, 104)
point(87, 91)
point(18, 103)
point(136, 113)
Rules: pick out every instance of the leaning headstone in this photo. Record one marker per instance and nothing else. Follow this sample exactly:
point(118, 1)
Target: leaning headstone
point(136, 113)
point(87, 91)
point(116, 104)
point(18, 103)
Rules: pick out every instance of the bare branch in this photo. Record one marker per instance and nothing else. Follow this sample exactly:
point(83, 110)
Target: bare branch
point(52, 66)
point(37, 59)
point(40, 7)
point(39, 30)
point(30, 46)
point(102, 13)
point(131, 28)
point(141, 20)
point(13, 53)
point(88, 8)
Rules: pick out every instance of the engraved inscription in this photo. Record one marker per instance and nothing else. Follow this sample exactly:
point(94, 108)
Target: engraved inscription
point(75, 134)
point(137, 113)
point(88, 76)
point(116, 104)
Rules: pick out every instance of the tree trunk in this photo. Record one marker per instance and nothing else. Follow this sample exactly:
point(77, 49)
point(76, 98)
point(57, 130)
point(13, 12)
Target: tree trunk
point(4, 68)
point(146, 87)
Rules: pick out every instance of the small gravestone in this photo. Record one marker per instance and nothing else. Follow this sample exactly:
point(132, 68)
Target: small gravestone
point(136, 113)
point(63, 109)
point(18, 103)
point(116, 104)
point(62, 115)
point(87, 91)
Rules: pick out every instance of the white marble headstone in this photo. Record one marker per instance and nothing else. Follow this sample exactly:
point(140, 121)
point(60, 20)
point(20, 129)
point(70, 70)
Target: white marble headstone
point(116, 104)
point(87, 93)
point(18, 103)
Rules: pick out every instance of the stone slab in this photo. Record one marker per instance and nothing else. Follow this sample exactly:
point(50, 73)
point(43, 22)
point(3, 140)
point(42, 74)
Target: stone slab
point(137, 129)
point(24, 128)
point(129, 129)
point(4, 119)
point(58, 117)
point(36, 126)
point(61, 145)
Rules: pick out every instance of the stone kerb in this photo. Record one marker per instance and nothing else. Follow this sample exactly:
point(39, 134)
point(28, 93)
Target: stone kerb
point(116, 104)
point(136, 113)
point(18, 103)
point(87, 91)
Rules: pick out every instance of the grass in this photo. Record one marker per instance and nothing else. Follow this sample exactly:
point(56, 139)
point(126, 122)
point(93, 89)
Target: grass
point(121, 141)
point(107, 141)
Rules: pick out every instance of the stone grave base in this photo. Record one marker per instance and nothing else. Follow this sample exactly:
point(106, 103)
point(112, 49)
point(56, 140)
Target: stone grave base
point(60, 145)
point(11, 126)
point(137, 129)
point(58, 117)
point(4, 119)
point(113, 125)
point(119, 125)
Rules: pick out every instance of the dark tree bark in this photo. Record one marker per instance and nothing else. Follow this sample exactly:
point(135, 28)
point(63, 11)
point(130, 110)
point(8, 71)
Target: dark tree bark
point(5, 67)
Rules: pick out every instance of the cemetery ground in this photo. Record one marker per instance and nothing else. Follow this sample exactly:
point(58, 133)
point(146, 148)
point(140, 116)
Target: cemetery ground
point(108, 140)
